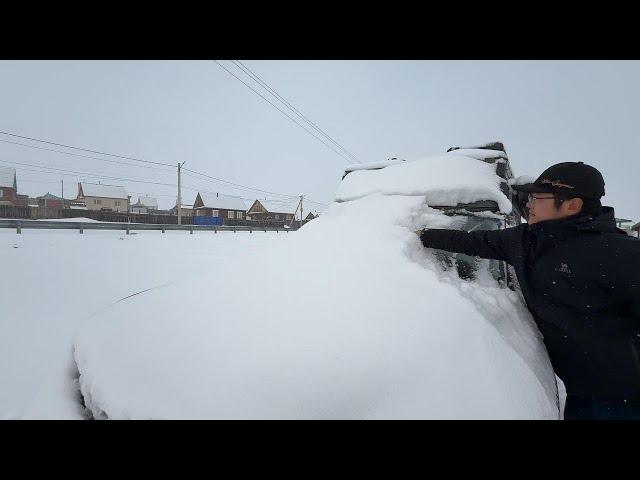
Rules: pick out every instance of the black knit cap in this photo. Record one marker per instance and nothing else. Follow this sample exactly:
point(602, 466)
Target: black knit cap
point(569, 180)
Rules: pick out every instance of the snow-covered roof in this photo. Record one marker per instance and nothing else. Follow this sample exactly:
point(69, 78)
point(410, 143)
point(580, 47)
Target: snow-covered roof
point(222, 202)
point(148, 202)
point(8, 177)
point(279, 206)
point(49, 196)
point(103, 191)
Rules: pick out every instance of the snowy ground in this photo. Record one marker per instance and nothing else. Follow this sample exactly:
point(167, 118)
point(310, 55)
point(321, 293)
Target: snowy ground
point(53, 280)
point(349, 317)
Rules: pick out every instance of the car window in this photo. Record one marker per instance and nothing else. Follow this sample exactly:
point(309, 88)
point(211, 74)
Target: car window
point(467, 266)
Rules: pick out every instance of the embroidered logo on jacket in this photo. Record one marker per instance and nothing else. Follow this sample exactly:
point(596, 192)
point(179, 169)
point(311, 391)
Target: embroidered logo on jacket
point(564, 268)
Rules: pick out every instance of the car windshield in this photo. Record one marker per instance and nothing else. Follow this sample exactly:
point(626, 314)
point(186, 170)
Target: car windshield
point(466, 265)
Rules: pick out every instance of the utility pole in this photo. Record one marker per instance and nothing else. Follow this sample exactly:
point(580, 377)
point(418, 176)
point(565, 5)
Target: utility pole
point(296, 211)
point(301, 218)
point(179, 195)
point(62, 192)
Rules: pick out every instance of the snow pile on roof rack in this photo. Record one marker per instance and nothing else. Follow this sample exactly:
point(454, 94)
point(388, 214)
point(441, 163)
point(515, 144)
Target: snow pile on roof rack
point(478, 153)
point(373, 165)
point(444, 180)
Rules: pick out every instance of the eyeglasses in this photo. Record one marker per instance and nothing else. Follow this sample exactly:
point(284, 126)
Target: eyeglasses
point(531, 199)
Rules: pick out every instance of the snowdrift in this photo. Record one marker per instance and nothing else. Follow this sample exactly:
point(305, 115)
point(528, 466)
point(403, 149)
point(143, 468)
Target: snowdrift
point(348, 318)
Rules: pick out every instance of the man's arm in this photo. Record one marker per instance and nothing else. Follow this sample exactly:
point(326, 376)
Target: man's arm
point(497, 244)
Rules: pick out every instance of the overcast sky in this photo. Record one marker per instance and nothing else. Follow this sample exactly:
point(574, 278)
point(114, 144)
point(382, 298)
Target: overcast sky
point(545, 112)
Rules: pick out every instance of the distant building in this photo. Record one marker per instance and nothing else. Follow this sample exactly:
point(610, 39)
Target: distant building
point(270, 210)
point(22, 200)
point(620, 223)
point(185, 210)
point(50, 201)
point(145, 205)
point(221, 206)
point(77, 205)
point(636, 228)
point(96, 196)
point(8, 186)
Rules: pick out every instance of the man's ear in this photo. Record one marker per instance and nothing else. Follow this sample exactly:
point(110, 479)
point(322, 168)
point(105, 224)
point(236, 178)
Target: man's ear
point(573, 205)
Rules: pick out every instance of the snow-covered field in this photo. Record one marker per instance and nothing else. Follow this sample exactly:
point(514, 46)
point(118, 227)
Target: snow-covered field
point(52, 281)
point(349, 317)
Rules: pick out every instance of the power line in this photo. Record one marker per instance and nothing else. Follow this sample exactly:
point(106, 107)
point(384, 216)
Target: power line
point(67, 172)
point(270, 200)
point(84, 149)
point(237, 185)
point(124, 163)
point(85, 156)
point(265, 85)
point(283, 112)
point(86, 174)
point(290, 197)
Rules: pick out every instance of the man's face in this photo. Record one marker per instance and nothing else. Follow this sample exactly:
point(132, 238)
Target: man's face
point(541, 207)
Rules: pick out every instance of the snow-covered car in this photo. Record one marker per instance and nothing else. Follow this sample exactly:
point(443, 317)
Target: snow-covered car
point(350, 317)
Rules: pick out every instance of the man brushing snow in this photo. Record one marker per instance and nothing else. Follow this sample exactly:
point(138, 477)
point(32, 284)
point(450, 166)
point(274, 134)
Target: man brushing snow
point(580, 278)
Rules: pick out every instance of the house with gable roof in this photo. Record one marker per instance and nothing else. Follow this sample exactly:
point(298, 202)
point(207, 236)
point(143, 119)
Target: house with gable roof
point(9, 189)
point(8, 186)
point(51, 201)
point(223, 207)
point(145, 205)
point(271, 210)
point(97, 196)
point(185, 210)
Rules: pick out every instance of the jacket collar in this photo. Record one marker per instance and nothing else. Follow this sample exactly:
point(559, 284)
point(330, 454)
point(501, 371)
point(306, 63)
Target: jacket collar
point(553, 232)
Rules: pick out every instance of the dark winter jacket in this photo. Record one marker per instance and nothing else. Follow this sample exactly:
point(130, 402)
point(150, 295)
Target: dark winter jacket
point(580, 278)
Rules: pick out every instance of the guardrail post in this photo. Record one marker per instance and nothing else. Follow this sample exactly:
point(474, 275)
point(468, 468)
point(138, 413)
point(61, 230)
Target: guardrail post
point(19, 229)
point(250, 231)
point(234, 229)
point(81, 229)
point(190, 230)
point(162, 228)
point(127, 229)
point(215, 230)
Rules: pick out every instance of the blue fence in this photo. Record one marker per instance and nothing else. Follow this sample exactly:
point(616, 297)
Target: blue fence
point(208, 220)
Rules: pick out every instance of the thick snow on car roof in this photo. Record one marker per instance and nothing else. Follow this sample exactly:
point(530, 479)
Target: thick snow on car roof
point(349, 317)
point(372, 165)
point(447, 179)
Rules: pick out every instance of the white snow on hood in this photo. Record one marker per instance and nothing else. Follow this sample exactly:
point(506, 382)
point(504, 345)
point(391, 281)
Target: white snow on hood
point(347, 318)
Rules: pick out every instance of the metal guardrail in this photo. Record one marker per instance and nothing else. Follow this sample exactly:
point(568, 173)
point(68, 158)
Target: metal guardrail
point(127, 227)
